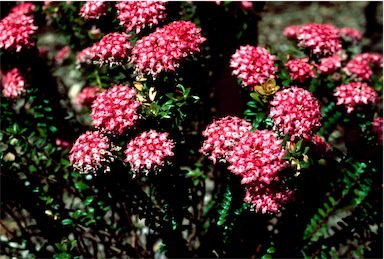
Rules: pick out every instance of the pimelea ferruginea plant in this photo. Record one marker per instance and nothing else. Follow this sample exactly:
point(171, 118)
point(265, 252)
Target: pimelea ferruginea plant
point(118, 145)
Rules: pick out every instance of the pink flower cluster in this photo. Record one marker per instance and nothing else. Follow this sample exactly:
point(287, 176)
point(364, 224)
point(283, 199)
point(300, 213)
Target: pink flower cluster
point(254, 65)
point(350, 33)
point(268, 198)
point(112, 49)
point(295, 112)
point(17, 28)
point(329, 65)
point(93, 10)
point(221, 137)
point(359, 69)
point(135, 15)
point(91, 152)
point(149, 151)
point(84, 57)
point(23, 9)
point(62, 54)
point(355, 93)
point(258, 156)
point(291, 32)
point(377, 127)
point(300, 69)
point(320, 39)
point(115, 109)
point(375, 59)
point(13, 84)
point(163, 49)
point(86, 97)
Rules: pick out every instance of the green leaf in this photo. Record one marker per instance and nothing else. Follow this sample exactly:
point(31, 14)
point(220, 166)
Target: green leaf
point(66, 222)
point(81, 186)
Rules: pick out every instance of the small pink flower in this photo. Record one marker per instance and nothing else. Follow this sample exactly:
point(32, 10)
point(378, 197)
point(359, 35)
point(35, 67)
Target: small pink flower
point(268, 198)
point(149, 151)
point(16, 31)
point(163, 49)
point(300, 69)
point(377, 127)
point(329, 65)
point(254, 65)
point(375, 59)
point(320, 39)
point(92, 152)
point(63, 143)
point(222, 136)
point(84, 57)
point(350, 33)
point(13, 84)
point(115, 109)
point(62, 54)
point(359, 69)
point(258, 156)
point(135, 15)
point(93, 10)
point(291, 31)
point(23, 9)
point(86, 97)
point(112, 49)
point(246, 5)
point(295, 112)
point(355, 93)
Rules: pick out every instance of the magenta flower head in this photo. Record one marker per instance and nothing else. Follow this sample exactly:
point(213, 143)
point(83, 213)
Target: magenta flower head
point(13, 84)
point(300, 69)
point(83, 57)
point(329, 65)
point(254, 65)
point(222, 136)
point(115, 110)
point(93, 10)
point(16, 32)
point(291, 31)
point(135, 15)
point(86, 97)
point(355, 93)
point(268, 198)
point(377, 128)
point(149, 151)
point(358, 69)
point(23, 9)
point(92, 152)
point(258, 156)
point(295, 112)
point(112, 49)
point(163, 49)
point(319, 39)
point(350, 34)
point(62, 54)
point(374, 59)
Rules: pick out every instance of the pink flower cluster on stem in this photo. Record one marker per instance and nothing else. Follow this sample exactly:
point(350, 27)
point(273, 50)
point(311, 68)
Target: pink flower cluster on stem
point(350, 33)
point(135, 15)
point(295, 112)
point(13, 84)
point(91, 152)
point(93, 10)
point(23, 9)
point(354, 94)
point(63, 54)
point(115, 109)
point(254, 65)
point(163, 49)
point(149, 151)
point(359, 69)
point(300, 69)
point(329, 65)
point(375, 59)
point(86, 97)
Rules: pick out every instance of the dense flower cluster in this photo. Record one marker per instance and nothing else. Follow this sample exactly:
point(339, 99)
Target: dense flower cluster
point(86, 97)
point(329, 65)
point(91, 152)
point(222, 136)
point(377, 127)
point(93, 10)
point(84, 57)
point(13, 84)
point(254, 65)
point(16, 31)
point(350, 33)
point(291, 31)
point(268, 198)
point(300, 69)
point(320, 39)
point(23, 8)
point(359, 69)
point(163, 49)
point(135, 15)
point(63, 54)
point(295, 112)
point(111, 49)
point(375, 59)
point(149, 151)
point(258, 156)
point(355, 93)
point(115, 109)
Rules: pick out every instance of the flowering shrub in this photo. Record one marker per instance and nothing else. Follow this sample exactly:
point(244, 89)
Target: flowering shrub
point(115, 143)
